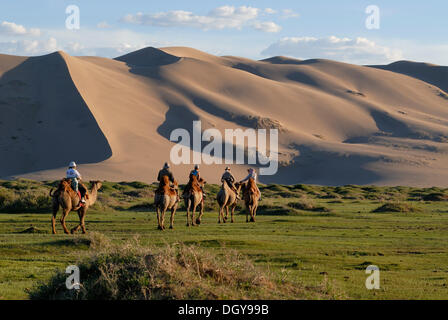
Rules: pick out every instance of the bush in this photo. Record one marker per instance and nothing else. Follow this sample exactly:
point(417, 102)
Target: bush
point(436, 196)
point(307, 205)
point(133, 272)
point(24, 201)
point(401, 207)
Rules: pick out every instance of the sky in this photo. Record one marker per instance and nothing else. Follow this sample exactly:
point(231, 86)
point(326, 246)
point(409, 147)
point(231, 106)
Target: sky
point(354, 31)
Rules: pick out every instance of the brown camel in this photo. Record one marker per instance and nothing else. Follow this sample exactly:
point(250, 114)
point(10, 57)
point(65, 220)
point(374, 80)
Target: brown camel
point(194, 198)
point(250, 197)
point(66, 198)
point(227, 198)
point(166, 199)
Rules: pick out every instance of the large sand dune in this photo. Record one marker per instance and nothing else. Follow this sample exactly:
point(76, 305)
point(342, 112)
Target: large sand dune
point(339, 123)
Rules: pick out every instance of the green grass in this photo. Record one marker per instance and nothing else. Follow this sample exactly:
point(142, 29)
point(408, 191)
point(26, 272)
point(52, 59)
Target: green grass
point(333, 245)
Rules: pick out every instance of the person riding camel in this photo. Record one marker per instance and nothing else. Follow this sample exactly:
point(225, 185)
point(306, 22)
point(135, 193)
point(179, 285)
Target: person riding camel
point(195, 172)
point(75, 178)
point(253, 175)
point(167, 172)
point(230, 180)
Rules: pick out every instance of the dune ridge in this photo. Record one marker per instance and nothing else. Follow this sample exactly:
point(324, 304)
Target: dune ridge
point(339, 123)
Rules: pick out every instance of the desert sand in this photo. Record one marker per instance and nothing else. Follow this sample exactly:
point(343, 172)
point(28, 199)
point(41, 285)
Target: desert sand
point(339, 123)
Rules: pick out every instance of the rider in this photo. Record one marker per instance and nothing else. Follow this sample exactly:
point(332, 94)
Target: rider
point(167, 172)
point(195, 172)
point(230, 179)
point(75, 176)
point(253, 175)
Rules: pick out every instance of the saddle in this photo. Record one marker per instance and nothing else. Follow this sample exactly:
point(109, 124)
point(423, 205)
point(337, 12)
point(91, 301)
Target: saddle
point(81, 187)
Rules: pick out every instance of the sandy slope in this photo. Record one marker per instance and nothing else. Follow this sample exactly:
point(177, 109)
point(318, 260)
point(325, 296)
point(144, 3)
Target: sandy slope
point(339, 123)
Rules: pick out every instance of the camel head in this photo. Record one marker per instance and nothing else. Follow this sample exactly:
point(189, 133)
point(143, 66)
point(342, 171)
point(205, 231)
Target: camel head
point(202, 182)
point(96, 184)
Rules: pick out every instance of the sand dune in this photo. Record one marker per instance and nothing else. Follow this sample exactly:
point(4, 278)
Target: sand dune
point(339, 123)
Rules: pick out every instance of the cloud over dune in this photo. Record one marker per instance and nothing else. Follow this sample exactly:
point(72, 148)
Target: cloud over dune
point(358, 50)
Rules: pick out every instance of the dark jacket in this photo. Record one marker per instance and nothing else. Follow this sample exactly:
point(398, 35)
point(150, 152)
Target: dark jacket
point(228, 177)
point(165, 172)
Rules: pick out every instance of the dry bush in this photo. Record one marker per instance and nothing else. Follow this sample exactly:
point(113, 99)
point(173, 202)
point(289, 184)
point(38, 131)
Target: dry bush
point(134, 272)
point(401, 207)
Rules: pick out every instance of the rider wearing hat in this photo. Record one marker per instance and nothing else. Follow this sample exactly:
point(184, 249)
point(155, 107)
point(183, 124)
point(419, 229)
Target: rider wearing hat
point(75, 177)
point(230, 179)
point(195, 172)
point(165, 171)
point(253, 175)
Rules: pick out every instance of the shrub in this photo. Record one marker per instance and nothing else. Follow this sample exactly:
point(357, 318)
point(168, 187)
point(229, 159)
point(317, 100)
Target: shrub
point(24, 201)
point(134, 272)
point(307, 205)
point(436, 196)
point(402, 207)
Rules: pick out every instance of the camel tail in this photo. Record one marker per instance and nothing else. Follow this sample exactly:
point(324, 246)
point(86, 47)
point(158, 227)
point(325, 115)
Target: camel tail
point(51, 192)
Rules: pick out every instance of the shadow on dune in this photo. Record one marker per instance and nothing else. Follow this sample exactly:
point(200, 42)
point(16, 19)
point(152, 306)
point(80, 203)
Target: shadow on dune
point(325, 168)
point(45, 122)
point(433, 74)
point(177, 117)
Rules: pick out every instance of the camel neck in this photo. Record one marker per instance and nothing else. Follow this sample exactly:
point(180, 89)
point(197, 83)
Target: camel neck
point(93, 195)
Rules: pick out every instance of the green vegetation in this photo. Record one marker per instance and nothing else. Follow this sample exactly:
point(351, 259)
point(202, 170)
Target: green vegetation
point(131, 271)
point(309, 242)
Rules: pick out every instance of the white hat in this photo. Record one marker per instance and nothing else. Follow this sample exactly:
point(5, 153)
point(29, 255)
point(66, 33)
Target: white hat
point(72, 164)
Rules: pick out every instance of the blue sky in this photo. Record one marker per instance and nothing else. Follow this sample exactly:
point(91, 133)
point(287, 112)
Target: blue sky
point(411, 30)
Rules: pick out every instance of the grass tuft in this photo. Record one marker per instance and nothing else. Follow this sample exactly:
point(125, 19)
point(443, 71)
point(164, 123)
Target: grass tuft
point(401, 207)
point(131, 271)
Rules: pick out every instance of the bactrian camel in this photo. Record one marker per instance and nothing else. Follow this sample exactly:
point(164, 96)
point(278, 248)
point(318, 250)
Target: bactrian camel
point(227, 198)
point(194, 198)
point(166, 199)
point(66, 198)
point(250, 197)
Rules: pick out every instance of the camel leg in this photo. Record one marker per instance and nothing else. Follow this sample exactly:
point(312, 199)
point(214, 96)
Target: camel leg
point(188, 213)
point(220, 214)
point(53, 218)
point(158, 218)
point(75, 229)
point(173, 212)
point(64, 215)
point(193, 222)
point(83, 222)
point(233, 212)
point(252, 217)
point(162, 222)
point(201, 213)
point(227, 214)
point(247, 213)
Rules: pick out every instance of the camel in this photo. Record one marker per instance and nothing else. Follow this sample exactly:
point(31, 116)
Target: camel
point(194, 198)
point(66, 198)
point(166, 199)
point(227, 198)
point(250, 197)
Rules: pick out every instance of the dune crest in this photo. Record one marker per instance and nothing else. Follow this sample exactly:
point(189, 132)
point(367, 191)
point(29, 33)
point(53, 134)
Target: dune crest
point(339, 123)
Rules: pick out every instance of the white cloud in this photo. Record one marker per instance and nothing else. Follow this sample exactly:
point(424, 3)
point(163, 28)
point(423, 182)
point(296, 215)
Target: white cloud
point(225, 17)
point(270, 11)
point(289, 13)
point(103, 25)
point(29, 47)
point(267, 26)
point(12, 29)
point(359, 50)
